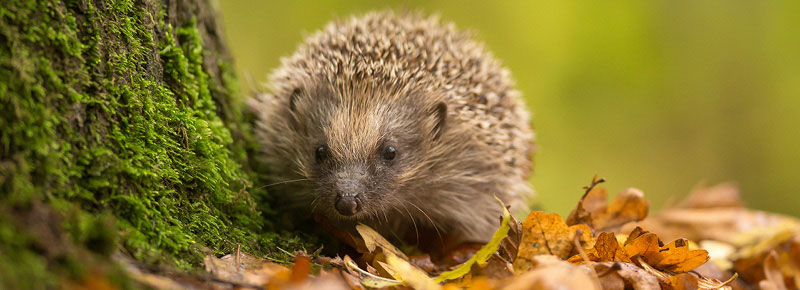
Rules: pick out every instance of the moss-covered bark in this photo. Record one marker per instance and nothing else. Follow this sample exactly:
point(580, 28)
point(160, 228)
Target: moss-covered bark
point(120, 116)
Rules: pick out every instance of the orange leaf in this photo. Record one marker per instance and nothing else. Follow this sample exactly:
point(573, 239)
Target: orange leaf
point(592, 203)
point(629, 206)
point(676, 257)
point(683, 281)
point(542, 234)
point(608, 249)
point(645, 245)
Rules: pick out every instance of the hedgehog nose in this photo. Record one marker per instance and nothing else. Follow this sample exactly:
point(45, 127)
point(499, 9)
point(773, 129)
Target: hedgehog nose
point(348, 205)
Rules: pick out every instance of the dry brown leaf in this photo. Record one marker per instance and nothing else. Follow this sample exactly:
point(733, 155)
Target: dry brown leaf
point(510, 245)
point(246, 269)
point(592, 209)
point(684, 281)
point(609, 250)
point(645, 245)
point(300, 269)
point(544, 234)
point(702, 282)
point(585, 236)
point(635, 233)
point(677, 258)
point(550, 272)
point(628, 206)
point(636, 277)
point(774, 278)
point(608, 276)
point(496, 268)
point(712, 214)
point(720, 195)
point(592, 203)
point(373, 240)
point(606, 249)
point(674, 257)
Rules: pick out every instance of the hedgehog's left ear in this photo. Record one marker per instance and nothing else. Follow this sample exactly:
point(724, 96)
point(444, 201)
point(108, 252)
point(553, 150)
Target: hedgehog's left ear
point(440, 114)
point(293, 108)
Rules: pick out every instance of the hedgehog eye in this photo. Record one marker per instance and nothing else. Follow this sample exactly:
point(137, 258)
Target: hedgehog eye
point(389, 152)
point(321, 153)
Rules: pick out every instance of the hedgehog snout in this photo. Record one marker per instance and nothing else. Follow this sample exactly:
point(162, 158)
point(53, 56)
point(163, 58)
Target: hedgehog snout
point(349, 186)
point(348, 205)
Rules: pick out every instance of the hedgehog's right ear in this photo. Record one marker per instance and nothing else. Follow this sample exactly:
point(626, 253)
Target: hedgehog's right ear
point(293, 99)
point(440, 114)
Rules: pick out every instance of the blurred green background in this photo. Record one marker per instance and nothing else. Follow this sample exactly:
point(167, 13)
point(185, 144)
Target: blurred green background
point(658, 95)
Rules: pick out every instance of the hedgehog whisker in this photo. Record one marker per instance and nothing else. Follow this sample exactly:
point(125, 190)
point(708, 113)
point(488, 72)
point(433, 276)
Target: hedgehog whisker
point(314, 204)
point(416, 230)
point(283, 182)
point(435, 227)
point(383, 211)
point(394, 208)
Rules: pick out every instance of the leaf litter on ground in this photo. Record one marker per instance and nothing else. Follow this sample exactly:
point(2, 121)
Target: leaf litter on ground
point(601, 245)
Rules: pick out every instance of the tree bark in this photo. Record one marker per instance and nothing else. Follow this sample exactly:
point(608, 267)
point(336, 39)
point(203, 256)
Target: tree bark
point(117, 129)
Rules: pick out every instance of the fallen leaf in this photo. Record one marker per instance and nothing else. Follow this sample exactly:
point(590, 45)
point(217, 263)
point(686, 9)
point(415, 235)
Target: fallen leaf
point(638, 278)
point(684, 281)
point(593, 202)
point(628, 206)
point(368, 279)
point(510, 245)
point(774, 278)
point(300, 269)
point(702, 282)
point(606, 249)
point(609, 278)
point(246, 269)
point(409, 274)
point(543, 234)
point(644, 245)
point(373, 240)
point(674, 257)
point(550, 272)
point(677, 258)
point(485, 252)
point(720, 195)
point(592, 208)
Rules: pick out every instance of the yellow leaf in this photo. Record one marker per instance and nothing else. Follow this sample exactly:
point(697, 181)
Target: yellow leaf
point(373, 239)
point(485, 252)
point(413, 276)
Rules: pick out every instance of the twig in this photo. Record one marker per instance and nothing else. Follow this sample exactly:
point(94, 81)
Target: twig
point(578, 246)
point(238, 255)
point(594, 183)
point(585, 257)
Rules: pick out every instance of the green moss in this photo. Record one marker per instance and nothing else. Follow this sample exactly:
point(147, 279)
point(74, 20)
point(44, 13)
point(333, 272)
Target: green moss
point(111, 112)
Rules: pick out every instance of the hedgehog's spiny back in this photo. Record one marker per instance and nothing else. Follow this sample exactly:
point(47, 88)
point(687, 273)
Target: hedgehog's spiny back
point(410, 50)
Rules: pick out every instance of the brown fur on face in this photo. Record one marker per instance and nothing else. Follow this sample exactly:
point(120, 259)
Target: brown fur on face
point(444, 104)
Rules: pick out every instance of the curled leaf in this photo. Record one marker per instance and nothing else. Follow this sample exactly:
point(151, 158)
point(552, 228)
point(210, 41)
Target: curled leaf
point(368, 279)
point(485, 252)
point(373, 240)
point(410, 275)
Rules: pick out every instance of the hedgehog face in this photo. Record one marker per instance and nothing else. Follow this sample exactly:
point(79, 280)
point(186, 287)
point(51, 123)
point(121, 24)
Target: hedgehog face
point(356, 186)
point(362, 153)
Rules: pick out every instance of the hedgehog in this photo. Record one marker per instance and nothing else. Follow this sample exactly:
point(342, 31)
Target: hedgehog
point(397, 121)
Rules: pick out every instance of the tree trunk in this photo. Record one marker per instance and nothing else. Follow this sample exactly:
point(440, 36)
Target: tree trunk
point(117, 129)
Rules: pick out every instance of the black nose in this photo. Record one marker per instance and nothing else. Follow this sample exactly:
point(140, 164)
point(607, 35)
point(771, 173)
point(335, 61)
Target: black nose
point(348, 205)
